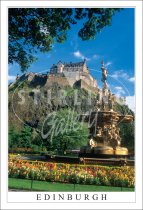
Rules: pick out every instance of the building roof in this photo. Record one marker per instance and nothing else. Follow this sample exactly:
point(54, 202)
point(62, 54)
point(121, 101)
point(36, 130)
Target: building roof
point(71, 64)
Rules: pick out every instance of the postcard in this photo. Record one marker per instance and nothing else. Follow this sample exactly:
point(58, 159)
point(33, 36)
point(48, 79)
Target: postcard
point(71, 105)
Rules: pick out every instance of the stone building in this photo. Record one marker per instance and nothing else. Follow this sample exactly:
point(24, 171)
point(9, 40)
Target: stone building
point(73, 74)
point(74, 67)
point(63, 74)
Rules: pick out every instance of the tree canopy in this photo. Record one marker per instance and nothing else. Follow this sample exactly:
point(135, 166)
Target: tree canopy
point(37, 29)
point(20, 139)
point(64, 131)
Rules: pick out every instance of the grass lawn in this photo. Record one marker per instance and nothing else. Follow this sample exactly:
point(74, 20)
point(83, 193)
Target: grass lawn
point(23, 184)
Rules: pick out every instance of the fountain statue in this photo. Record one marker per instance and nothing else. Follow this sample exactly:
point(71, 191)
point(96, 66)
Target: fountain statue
point(104, 132)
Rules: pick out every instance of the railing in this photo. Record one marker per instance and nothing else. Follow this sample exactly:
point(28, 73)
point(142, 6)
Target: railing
point(114, 162)
point(31, 186)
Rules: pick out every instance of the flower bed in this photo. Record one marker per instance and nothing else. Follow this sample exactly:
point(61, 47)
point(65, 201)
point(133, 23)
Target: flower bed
point(70, 173)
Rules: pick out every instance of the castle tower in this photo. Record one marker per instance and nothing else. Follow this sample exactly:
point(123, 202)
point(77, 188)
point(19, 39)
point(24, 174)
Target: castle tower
point(85, 68)
point(60, 67)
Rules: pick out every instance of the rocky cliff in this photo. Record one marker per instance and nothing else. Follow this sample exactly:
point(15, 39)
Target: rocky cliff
point(32, 96)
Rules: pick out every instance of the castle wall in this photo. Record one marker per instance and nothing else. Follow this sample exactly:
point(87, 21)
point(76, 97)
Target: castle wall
point(83, 82)
point(87, 87)
point(62, 81)
point(89, 80)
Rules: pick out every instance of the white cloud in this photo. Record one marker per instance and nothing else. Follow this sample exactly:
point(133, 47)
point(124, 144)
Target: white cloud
point(118, 88)
point(123, 75)
point(11, 78)
point(130, 101)
point(119, 91)
point(120, 74)
point(78, 54)
point(109, 63)
point(132, 79)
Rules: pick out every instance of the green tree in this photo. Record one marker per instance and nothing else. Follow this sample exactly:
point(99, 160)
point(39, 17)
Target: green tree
point(123, 109)
point(126, 129)
point(65, 132)
point(13, 138)
point(20, 139)
point(127, 135)
point(37, 29)
point(25, 137)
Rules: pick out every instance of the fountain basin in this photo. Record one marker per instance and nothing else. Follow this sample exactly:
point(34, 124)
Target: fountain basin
point(103, 150)
point(121, 151)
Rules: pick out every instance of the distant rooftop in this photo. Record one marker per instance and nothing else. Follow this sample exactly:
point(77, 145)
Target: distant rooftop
point(71, 66)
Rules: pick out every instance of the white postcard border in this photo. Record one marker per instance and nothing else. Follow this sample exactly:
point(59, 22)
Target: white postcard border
point(131, 201)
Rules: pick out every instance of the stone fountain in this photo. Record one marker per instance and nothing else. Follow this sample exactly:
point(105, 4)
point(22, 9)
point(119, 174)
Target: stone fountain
point(105, 137)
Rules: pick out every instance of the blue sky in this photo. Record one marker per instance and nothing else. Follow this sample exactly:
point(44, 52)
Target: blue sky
point(115, 44)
